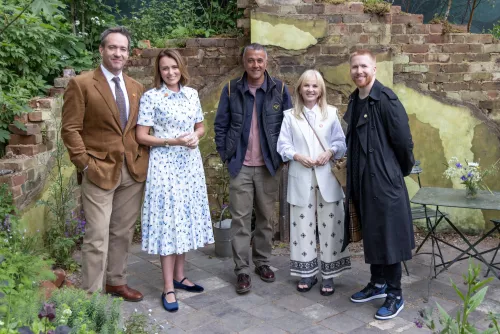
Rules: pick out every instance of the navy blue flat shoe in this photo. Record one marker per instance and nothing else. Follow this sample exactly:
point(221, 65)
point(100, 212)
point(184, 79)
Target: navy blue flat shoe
point(170, 307)
point(194, 288)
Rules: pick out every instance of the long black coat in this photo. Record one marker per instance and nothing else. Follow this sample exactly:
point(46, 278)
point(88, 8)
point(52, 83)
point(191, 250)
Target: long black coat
point(386, 156)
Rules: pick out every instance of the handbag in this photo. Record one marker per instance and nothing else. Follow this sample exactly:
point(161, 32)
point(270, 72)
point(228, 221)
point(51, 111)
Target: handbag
point(339, 167)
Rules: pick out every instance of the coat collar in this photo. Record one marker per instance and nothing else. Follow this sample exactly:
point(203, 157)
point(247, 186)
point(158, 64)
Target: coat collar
point(267, 85)
point(374, 92)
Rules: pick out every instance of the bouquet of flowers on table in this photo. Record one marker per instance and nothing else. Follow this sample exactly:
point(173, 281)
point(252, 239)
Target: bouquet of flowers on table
point(470, 174)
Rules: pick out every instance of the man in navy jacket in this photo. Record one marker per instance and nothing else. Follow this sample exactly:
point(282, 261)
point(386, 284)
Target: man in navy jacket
point(247, 127)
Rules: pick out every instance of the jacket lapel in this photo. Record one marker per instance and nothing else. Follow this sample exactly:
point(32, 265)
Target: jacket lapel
point(133, 95)
point(103, 88)
point(306, 131)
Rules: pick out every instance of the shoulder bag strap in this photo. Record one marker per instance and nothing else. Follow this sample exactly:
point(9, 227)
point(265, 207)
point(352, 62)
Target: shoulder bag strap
point(314, 131)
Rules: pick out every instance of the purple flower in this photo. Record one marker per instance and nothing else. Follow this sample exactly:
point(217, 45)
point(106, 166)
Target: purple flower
point(463, 178)
point(225, 205)
point(48, 311)
point(418, 323)
point(458, 164)
point(470, 174)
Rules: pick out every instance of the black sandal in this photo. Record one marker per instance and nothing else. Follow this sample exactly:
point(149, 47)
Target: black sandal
point(327, 284)
point(308, 281)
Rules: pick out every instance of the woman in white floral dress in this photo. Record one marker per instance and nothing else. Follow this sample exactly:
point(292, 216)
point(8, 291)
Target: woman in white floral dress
point(175, 214)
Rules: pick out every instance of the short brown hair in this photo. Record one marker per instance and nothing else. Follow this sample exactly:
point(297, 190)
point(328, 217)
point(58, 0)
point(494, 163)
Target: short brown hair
point(363, 52)
point(115, 30)
point(175, 55)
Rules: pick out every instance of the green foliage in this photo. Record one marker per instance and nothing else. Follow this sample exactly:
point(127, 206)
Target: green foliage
point(89, 314)
point(473, 297)
point(21, 269)
point(88, 20)
point(138, 324)
point(221, 194)
point(378, 7)
point(34, 48)
point(157, 22)
point(496, 30)
point(65, 228)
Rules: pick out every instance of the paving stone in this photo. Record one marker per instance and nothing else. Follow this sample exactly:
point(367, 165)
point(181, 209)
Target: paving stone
point(204, 261)
point(447, 305)
point(317, 312)
point(213, 283)
point(226, 293)
point(273, 291)
point(247, 300)
point(396, 325)
point(489, 305)
point(268, 311)
point(367, 329)
point(292, 323)
point(221, 309)
point(192, 320)
point(203, 300)
point(193, 254)
point(238, 320)
point(264, 328)
point(316, 329)
point(147, 289)
point(197, 274)
point(365, 312)
point(342, 323)
point(133, 259)
point(340, 303)
point(294, 302)
point(216, 327)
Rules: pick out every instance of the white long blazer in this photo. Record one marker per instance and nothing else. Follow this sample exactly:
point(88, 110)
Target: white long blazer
point(296, 136)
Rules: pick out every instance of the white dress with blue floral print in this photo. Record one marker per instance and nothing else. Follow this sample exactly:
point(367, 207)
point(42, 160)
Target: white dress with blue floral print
point(175, 213)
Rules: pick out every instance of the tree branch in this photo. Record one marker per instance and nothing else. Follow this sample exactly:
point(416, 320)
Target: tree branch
point(17, 17)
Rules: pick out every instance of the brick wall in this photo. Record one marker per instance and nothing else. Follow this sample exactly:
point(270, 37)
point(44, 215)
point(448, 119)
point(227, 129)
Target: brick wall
point(457, 67)
point(28, 159)
point(208, 59)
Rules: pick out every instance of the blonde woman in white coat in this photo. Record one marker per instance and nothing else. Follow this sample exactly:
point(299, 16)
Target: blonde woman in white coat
point(315, 196)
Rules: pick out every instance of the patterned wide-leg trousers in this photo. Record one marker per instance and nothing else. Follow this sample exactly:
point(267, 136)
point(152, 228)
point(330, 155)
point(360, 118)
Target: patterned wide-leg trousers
point(330, 220)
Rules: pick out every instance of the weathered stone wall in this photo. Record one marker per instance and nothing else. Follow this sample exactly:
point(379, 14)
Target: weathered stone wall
point(448, 82)
point(29, 151)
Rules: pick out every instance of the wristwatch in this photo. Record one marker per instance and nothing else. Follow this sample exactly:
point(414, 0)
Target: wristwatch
point(165, 143)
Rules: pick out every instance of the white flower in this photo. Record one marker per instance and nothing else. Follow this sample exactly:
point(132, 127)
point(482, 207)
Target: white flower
point(473, 164)
point(77, 23)
point(1, 323)
point(135, 310)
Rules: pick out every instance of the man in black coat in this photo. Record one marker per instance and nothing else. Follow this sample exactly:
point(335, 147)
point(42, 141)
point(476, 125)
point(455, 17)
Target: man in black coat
point(380, 155)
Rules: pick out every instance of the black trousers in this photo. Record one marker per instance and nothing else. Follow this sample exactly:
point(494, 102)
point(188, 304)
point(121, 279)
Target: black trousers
point(387, 273)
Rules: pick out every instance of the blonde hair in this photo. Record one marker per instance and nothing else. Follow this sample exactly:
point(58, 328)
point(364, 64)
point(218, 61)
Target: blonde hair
point(298, 101)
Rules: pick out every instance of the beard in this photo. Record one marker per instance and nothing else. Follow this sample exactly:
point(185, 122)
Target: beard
point(366, 82)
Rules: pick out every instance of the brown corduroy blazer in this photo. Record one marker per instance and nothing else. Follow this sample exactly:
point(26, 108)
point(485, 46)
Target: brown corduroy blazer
point(92, 132)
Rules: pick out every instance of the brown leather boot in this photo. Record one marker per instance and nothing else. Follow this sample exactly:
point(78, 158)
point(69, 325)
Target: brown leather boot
point(124, 291)
point(266, 273)
point(244, 283)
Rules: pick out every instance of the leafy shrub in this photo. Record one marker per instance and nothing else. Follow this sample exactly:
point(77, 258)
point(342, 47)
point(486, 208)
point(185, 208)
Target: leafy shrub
point(138, 323)
point(378, 7)
point(34, 48)
point(65, 228)
point(496, 30)
point(155, 21)
point(472, 298)
point(21, 268)
point(89, 314)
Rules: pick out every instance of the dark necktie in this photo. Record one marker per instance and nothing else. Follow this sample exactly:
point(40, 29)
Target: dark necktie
point(120, 102)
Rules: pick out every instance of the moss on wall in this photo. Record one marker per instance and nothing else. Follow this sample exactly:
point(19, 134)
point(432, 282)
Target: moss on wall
point(287, 32)
point(35, 217)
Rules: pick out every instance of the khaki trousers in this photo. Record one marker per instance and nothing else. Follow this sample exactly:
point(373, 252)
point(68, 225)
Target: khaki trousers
point(252, 187)
point(111, 216)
